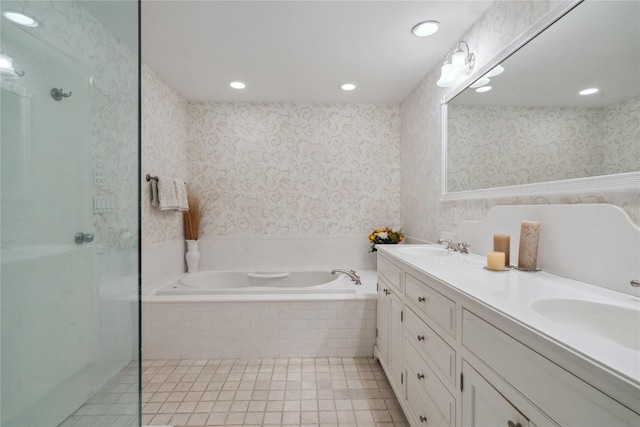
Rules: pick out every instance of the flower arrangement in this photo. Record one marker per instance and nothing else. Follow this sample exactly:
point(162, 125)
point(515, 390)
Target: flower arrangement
point(193, 216)
point(385, 236)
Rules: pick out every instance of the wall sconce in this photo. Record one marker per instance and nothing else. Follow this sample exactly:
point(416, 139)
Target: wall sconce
point(460, 67)
point(6, 68)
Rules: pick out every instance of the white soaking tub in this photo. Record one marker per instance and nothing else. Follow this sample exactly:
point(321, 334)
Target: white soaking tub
point(259, 283)
point(214, 314)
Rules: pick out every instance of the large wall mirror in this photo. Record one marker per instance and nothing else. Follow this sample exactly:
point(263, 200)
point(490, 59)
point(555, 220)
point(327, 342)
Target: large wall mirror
point(532, 132)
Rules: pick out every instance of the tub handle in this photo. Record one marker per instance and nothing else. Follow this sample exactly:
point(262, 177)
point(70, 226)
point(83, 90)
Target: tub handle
point(268, 275)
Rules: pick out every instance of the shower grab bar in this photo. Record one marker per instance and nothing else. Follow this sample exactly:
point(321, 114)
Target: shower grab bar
point(268, 275)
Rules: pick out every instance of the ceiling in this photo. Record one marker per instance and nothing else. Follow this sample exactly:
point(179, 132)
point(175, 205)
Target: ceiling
point(299, 51)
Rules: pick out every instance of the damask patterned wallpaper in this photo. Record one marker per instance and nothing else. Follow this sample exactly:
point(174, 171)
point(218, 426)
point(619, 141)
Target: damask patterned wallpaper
point(424, 215)
point(295, 169)
point(509, 145)
point(164, 152)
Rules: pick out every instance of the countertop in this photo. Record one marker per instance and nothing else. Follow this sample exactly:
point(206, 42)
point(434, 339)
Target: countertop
point(512, 294)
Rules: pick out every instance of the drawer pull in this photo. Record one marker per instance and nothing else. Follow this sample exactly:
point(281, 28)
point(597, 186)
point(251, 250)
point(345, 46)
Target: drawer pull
point(423, 419)
point(421, 299)
point(512, 424)
point(386, 291)
point(421, 376)
point(420, 337)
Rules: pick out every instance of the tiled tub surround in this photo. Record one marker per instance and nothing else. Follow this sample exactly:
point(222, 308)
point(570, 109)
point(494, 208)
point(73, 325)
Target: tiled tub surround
point(269, 391)
point(249, 326)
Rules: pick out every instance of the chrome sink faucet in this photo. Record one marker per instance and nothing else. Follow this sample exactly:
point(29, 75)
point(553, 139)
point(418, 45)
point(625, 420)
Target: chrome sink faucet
point(462, 247)
point(351, 273)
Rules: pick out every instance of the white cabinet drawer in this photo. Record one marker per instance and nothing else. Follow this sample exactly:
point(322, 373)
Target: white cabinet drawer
point(442, 402)
point(417, 406)
point(435, 348)
point(432, 303)
point(391, 272)
point(565, 398)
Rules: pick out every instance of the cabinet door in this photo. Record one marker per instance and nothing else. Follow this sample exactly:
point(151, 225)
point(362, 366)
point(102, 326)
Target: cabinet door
point(395, 334)
point(383, 320)
point(483, 406)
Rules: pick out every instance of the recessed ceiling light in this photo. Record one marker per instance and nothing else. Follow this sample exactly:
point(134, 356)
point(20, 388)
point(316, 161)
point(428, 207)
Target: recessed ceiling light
point(20, 19)
point(498, 69)
point(589, 91)
point(348, 86)
point(237, 85)
point(483, 89)
point(425, 28)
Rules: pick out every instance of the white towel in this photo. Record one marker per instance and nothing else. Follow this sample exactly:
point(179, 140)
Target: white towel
point(167, 199)
point(181, 195)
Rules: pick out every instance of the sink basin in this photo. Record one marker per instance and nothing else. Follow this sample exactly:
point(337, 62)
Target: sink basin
point(426, 250)
point(610, 322)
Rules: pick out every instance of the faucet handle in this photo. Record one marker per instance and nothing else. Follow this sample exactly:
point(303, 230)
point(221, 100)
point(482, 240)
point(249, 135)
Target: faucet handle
point(464, 247)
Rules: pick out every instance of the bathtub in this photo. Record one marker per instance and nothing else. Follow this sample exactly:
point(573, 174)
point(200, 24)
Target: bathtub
point(258, 283)
point(211, 314)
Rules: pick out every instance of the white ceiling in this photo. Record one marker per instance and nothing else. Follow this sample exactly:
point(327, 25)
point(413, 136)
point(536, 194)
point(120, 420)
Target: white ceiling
point(299, 51)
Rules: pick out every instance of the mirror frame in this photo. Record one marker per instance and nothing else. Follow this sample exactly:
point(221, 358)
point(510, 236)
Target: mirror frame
point(628, 180)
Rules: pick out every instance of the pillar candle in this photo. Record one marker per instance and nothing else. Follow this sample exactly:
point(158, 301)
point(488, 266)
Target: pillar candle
point(502, 243)
point(528, 252)
point(495, 260)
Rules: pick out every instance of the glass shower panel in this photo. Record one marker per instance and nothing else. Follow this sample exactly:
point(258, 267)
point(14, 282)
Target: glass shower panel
point(69, 277)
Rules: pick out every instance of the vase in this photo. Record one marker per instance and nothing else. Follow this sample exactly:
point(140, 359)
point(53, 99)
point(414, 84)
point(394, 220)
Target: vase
point(192, 256)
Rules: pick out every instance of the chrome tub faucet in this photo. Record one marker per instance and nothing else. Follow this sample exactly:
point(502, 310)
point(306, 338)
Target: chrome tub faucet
point(462, 247)
point(351, 273)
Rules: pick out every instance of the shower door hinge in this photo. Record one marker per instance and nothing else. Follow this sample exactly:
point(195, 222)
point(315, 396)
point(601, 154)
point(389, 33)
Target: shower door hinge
point(376, 332)
point(401, 316)
point(461, 381)
point(401, 377)
point(377, 287)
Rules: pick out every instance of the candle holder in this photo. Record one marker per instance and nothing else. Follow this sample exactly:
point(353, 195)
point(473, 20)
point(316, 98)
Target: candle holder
point(526, 269)
point(496, 270)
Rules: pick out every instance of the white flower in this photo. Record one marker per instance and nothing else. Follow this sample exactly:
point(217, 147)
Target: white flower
point(383, 235)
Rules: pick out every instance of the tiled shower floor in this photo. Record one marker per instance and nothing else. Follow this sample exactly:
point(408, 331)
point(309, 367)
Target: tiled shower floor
point(269, 392)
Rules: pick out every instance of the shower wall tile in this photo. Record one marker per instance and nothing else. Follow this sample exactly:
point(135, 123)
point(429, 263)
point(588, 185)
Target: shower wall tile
point(423, 214)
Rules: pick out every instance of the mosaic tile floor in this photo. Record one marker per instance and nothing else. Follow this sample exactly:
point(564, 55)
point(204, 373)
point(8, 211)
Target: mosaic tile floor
point(269, 392)
point(115, 405)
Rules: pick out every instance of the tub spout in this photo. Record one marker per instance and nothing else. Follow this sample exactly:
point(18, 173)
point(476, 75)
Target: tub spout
point(351, 273)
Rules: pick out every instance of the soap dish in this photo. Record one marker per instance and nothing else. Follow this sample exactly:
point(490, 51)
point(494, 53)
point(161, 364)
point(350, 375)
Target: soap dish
point(499, 271)
point(524, 269)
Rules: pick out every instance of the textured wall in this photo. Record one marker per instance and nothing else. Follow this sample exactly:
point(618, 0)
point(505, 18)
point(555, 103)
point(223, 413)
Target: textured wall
point(493, 146)
point(164, 152)
point(276, 169)
point(424, 215)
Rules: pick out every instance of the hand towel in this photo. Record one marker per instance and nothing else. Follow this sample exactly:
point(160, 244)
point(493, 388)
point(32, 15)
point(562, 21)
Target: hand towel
point(167, 199)
point(181, 195)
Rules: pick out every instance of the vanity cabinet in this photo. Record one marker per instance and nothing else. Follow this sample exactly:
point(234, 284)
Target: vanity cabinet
point(460, 363)
point(389, 320)
point(483, 406)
